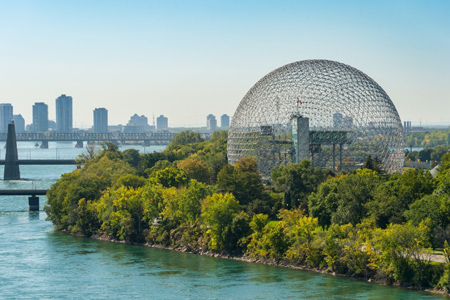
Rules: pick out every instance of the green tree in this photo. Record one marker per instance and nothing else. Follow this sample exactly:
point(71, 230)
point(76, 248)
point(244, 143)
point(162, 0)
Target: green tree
point(132, 157)
point(393, 197)
point(438, 152)
point(404, 253)
point(243, 181)
point(184, 205)
point(170, 177)
point(218, 212)
point(297, 182)
point(121, 212)
point(195, 169)
point(131, 180)
point(184, 138)
point(344, 199)
point(435, 209)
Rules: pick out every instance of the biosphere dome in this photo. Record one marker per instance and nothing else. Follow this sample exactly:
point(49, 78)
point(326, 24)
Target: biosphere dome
point(324, 111)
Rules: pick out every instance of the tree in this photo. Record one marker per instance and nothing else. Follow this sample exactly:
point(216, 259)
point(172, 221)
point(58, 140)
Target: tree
point(184, 138)
point(393, 197)
point(297, 182)
point(184, 205)
point(343, 200)
point(195, 169)
point(435, 210)
point(121, 212)
point(425, 154)
point(131, 180)
point(324, 203)
point(243, 181)
point(132, 157)
point(218, 212)
point(374, 164)
point(170, 177)
point(438, 152)
point(404, 253)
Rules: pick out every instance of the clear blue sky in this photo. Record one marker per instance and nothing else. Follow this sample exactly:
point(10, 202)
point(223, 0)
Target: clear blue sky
point(187, 59)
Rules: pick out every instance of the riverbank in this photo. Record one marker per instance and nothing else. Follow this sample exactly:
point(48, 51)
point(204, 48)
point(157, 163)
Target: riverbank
point(365, 224)
point(284, 263)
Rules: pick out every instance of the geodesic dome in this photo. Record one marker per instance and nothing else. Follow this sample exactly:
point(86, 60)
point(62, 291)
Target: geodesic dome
point(324, 111)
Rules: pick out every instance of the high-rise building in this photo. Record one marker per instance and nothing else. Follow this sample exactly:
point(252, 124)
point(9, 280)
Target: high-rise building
point(211, 123)
point(224, 121)
point(137, 124)
point(101, 120)
point(6, 115)
point(338, 120)
point(162, 123)
point(64, 121)
point(19, 122)
point(51, 125)
point(40, 117)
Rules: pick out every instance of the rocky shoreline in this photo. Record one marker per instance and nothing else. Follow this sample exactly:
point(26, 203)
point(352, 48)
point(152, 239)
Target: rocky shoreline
point(269, 262)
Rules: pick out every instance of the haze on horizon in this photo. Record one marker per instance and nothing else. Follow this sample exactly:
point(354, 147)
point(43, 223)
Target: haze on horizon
point(187, 59)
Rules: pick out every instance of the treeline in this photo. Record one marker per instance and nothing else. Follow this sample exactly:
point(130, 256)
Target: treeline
point(433, 155)
point(365, 223)
point(428, 139)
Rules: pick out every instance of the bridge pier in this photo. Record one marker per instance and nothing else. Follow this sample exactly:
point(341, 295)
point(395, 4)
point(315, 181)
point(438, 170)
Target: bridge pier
point(12, 171)
point(33, 203)
point(79, 144)
point(44, 145)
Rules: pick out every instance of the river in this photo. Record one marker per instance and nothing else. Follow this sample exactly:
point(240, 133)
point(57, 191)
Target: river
point(38, 262)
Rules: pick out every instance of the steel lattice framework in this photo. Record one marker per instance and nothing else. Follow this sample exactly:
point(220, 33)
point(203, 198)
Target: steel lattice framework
point(350, 116)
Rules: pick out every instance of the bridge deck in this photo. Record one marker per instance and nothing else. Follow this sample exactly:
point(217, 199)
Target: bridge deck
point(43, 162)
point(23, 192)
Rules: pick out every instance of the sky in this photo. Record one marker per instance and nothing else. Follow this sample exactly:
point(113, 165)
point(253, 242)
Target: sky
point(187, 59)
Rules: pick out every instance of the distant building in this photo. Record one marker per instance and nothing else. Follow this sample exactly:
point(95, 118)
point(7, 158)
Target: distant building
point(19, 122)
point(64, 121)
point(6, 115)
point(162, 123)
point(348, 122)
point(101, 120)
point(225, 121)
point(407, 126)
point(51, 125)
point(211, 123)
point(40, 117)
point(340, 121)
point(137, 124)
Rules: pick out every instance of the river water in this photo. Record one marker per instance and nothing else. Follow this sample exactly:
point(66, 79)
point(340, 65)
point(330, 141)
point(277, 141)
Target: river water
point(38, 262)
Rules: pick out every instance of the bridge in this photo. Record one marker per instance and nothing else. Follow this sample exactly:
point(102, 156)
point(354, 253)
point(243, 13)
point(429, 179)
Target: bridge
point(33, 200)
point(147, 138)
point(42, 162)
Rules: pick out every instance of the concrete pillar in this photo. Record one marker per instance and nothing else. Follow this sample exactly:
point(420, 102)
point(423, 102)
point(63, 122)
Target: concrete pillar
point(340, 157)
point(334, 157)
point(44, 144)
point(319, 163)
point(12, 171)
point(33, 203)
point(79, 144)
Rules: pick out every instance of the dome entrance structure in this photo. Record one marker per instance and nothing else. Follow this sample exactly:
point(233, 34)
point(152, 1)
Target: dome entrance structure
point(324, 111)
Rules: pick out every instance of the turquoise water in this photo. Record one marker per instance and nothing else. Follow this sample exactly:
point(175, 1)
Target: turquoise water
point(38, 262)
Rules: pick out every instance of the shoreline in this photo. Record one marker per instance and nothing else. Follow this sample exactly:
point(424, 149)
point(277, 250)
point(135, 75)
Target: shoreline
point(267, 262)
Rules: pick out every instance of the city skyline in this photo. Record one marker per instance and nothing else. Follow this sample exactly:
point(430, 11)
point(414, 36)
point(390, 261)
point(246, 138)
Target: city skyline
point(42, 123)
point(203, 57)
